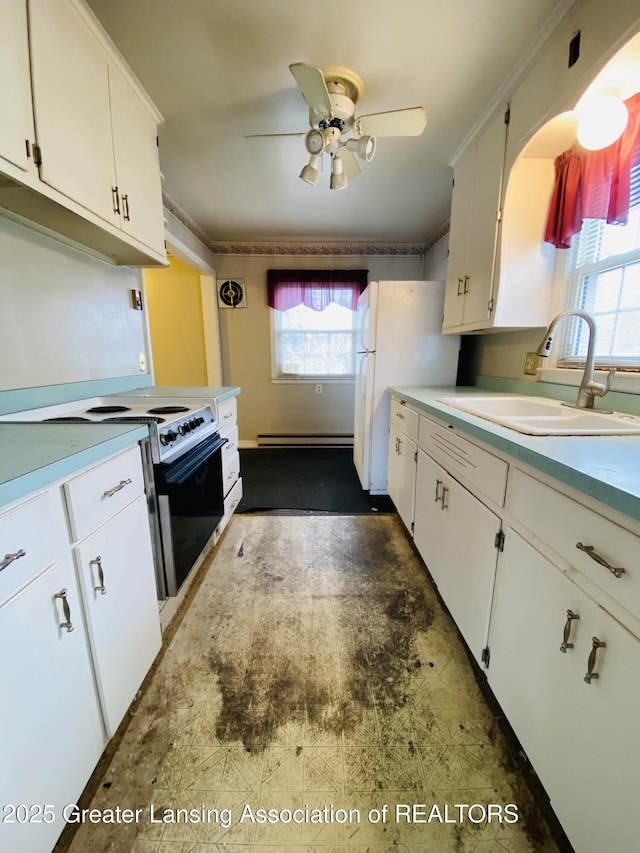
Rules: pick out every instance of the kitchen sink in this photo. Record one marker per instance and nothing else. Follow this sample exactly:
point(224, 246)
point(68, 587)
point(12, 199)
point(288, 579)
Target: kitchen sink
point(542, 416)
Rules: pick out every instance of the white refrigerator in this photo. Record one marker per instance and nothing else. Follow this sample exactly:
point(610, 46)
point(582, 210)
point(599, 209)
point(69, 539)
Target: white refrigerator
point(399, 343)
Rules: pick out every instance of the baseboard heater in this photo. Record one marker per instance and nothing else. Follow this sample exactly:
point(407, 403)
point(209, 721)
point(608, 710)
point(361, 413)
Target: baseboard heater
point(305, 439)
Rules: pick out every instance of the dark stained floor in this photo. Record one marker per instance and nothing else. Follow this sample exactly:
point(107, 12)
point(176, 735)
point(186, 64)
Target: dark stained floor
point(315, 669)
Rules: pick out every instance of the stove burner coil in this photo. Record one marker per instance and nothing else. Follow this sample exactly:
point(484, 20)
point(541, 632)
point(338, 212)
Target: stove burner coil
point(67, 420)
point(168, 410)
point(107, 410)
point(136, 419)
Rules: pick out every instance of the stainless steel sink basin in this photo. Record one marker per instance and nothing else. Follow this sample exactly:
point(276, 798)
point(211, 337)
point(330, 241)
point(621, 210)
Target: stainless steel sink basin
point(541, 416)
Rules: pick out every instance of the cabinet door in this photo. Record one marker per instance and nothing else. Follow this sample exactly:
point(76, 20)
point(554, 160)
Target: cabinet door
point(461, 202)
point(456, 535)
point(137, 166)
point(71, 104)
point(484, 220)
point(401, 479)
point(115, 564)
point(582, 738)
point(16, 127)
point(51, 734)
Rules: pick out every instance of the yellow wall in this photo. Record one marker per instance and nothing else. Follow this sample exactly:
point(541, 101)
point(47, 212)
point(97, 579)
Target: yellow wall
point(174, 306)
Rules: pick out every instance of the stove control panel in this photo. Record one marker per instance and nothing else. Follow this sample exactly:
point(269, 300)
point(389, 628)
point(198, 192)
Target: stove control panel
point(186, 431)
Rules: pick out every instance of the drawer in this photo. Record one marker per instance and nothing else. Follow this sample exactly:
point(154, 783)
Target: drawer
point(230, 472)
point(102, 491)
point(562, 523)
point(229, 449)
point(227, 412)
point(485, 472)
point(38, 527)
point(232, 500)
point(404, 418)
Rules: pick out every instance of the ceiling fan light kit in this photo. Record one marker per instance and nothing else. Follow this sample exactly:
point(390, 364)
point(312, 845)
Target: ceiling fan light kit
point(331, 95)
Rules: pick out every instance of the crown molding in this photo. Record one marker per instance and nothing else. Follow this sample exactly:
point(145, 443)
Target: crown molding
point(283, 247)
point(437, 235)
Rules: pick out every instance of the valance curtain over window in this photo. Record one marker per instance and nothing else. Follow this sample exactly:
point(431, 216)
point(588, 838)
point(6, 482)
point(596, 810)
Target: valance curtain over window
point(594, 184)
point(315, 288)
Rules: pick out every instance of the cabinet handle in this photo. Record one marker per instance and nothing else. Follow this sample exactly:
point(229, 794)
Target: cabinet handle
point(228, 415)
point(399, 447)
point(596, 644)
point(101, 588)
point(62, 595)
point(400, 415)
point(444, 503)
point(616, 571)
point(9, 558)
point(438, 484)
point(460, 282)
point(111, 492)
point(116, 199)
point(466, 284)
point(235, 503)
point(125, 208)
point(567, 631)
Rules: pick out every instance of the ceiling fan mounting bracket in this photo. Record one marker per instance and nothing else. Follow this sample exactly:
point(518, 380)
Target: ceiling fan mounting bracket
point(337, 76)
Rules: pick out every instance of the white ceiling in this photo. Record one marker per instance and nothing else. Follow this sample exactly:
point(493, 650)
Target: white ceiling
point(218, 70)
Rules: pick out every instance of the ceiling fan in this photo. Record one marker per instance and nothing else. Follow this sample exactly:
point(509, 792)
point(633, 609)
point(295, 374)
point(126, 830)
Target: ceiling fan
point(331, 94)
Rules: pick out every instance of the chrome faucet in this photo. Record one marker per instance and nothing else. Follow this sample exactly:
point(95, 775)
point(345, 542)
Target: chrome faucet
point(589, 389)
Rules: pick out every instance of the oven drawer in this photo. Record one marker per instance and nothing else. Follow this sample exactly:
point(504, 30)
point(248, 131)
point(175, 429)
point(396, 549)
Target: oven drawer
point(230, 473)
point(36, 527)
point(102, 491)
point(232, 500)
point(230, 449)
point(227, 413)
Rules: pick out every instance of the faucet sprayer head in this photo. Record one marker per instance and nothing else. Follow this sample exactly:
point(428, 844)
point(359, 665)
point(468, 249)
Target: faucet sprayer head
point(544, 350)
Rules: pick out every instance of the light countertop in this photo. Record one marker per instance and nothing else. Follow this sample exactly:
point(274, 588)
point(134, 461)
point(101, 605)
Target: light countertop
point(34, 455)
point(198, 392)
point(606, 467)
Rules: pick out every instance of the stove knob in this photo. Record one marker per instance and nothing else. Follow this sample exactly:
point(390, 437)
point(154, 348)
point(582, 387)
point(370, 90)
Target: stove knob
point(164, 439)
point(168, 437)
point(200, 420)
point(193, 423)
point(183, 429)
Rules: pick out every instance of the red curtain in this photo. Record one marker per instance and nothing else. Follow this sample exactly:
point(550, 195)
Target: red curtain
point(315, 288)
point(594, 184)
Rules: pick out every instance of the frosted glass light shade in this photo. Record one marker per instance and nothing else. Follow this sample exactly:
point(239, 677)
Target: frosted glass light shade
point(602, 122)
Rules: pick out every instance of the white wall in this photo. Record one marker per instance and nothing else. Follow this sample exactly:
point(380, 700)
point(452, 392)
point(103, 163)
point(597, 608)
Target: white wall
point(266, 407)
point(66, 317)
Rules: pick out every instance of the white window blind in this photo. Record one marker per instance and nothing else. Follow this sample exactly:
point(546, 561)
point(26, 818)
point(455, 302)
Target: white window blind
point(604, 279)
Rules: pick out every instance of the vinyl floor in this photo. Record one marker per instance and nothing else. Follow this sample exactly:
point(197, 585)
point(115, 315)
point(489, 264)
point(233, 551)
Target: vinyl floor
point(315, 670)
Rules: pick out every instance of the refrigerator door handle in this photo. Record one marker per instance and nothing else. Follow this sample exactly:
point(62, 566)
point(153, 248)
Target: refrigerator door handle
point(363, 390)
point(363, 325)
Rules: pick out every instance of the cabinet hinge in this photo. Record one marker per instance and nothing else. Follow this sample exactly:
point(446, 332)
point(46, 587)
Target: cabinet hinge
point(485, 657)
point(499, 216)
point(499, 540)
point(507, 114)
point(453, 182)
point(37, 154)
point(157, 142)
point(490, 305)
point(412, 528)
point(27, 145)
point(415, 456)
point(447, 253)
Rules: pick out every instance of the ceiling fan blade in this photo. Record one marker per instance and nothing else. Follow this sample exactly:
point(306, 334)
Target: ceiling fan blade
point(409, 122)
point(313, 87)
point(349, 163)
point(263, 135)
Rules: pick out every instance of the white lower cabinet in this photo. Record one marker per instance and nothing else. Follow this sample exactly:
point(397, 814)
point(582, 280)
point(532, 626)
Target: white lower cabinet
point(456, 536)
point(566, 675)
point(401, 475)
point(51, 733)
point(115, 565)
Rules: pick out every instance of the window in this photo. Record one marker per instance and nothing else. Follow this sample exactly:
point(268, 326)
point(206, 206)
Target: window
point(604, 279)
point(313, 323)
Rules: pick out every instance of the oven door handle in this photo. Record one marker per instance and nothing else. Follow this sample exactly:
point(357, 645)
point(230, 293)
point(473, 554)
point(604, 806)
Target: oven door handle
point(179, 472)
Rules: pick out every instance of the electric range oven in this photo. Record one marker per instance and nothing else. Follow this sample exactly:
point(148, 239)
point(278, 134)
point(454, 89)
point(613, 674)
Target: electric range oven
point(182, 463)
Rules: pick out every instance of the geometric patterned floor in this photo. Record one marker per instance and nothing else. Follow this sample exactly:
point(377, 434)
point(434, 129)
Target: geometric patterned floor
point(314, 670)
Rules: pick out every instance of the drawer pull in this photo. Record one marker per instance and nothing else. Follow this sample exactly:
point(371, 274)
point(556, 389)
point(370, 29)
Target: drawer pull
point(228, 415)
point(459, 293)
point(101, 588)
point(400, 415)
point(567, 631)
point(466, 284)
point(596, 644)
point(235, 504)
point(438, 495)
point(115, 195)
point(9, 558)
point(616, 571)
point(125, 208)
point(111, 492)
point(62, 595)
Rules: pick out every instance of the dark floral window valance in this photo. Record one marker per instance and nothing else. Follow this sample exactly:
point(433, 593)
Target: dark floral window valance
point(315, 288)
point(594, 184)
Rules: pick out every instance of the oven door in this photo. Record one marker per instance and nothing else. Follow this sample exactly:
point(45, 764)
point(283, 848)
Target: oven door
point(191, 505)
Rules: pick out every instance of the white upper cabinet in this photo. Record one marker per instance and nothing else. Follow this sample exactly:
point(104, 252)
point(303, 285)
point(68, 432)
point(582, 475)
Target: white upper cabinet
point(71, 101)
point(137, 168)
point(77, 113)
point(16, 127)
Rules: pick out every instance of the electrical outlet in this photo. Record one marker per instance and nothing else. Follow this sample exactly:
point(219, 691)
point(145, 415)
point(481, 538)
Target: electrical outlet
point(531, 363)
point(318, 389)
